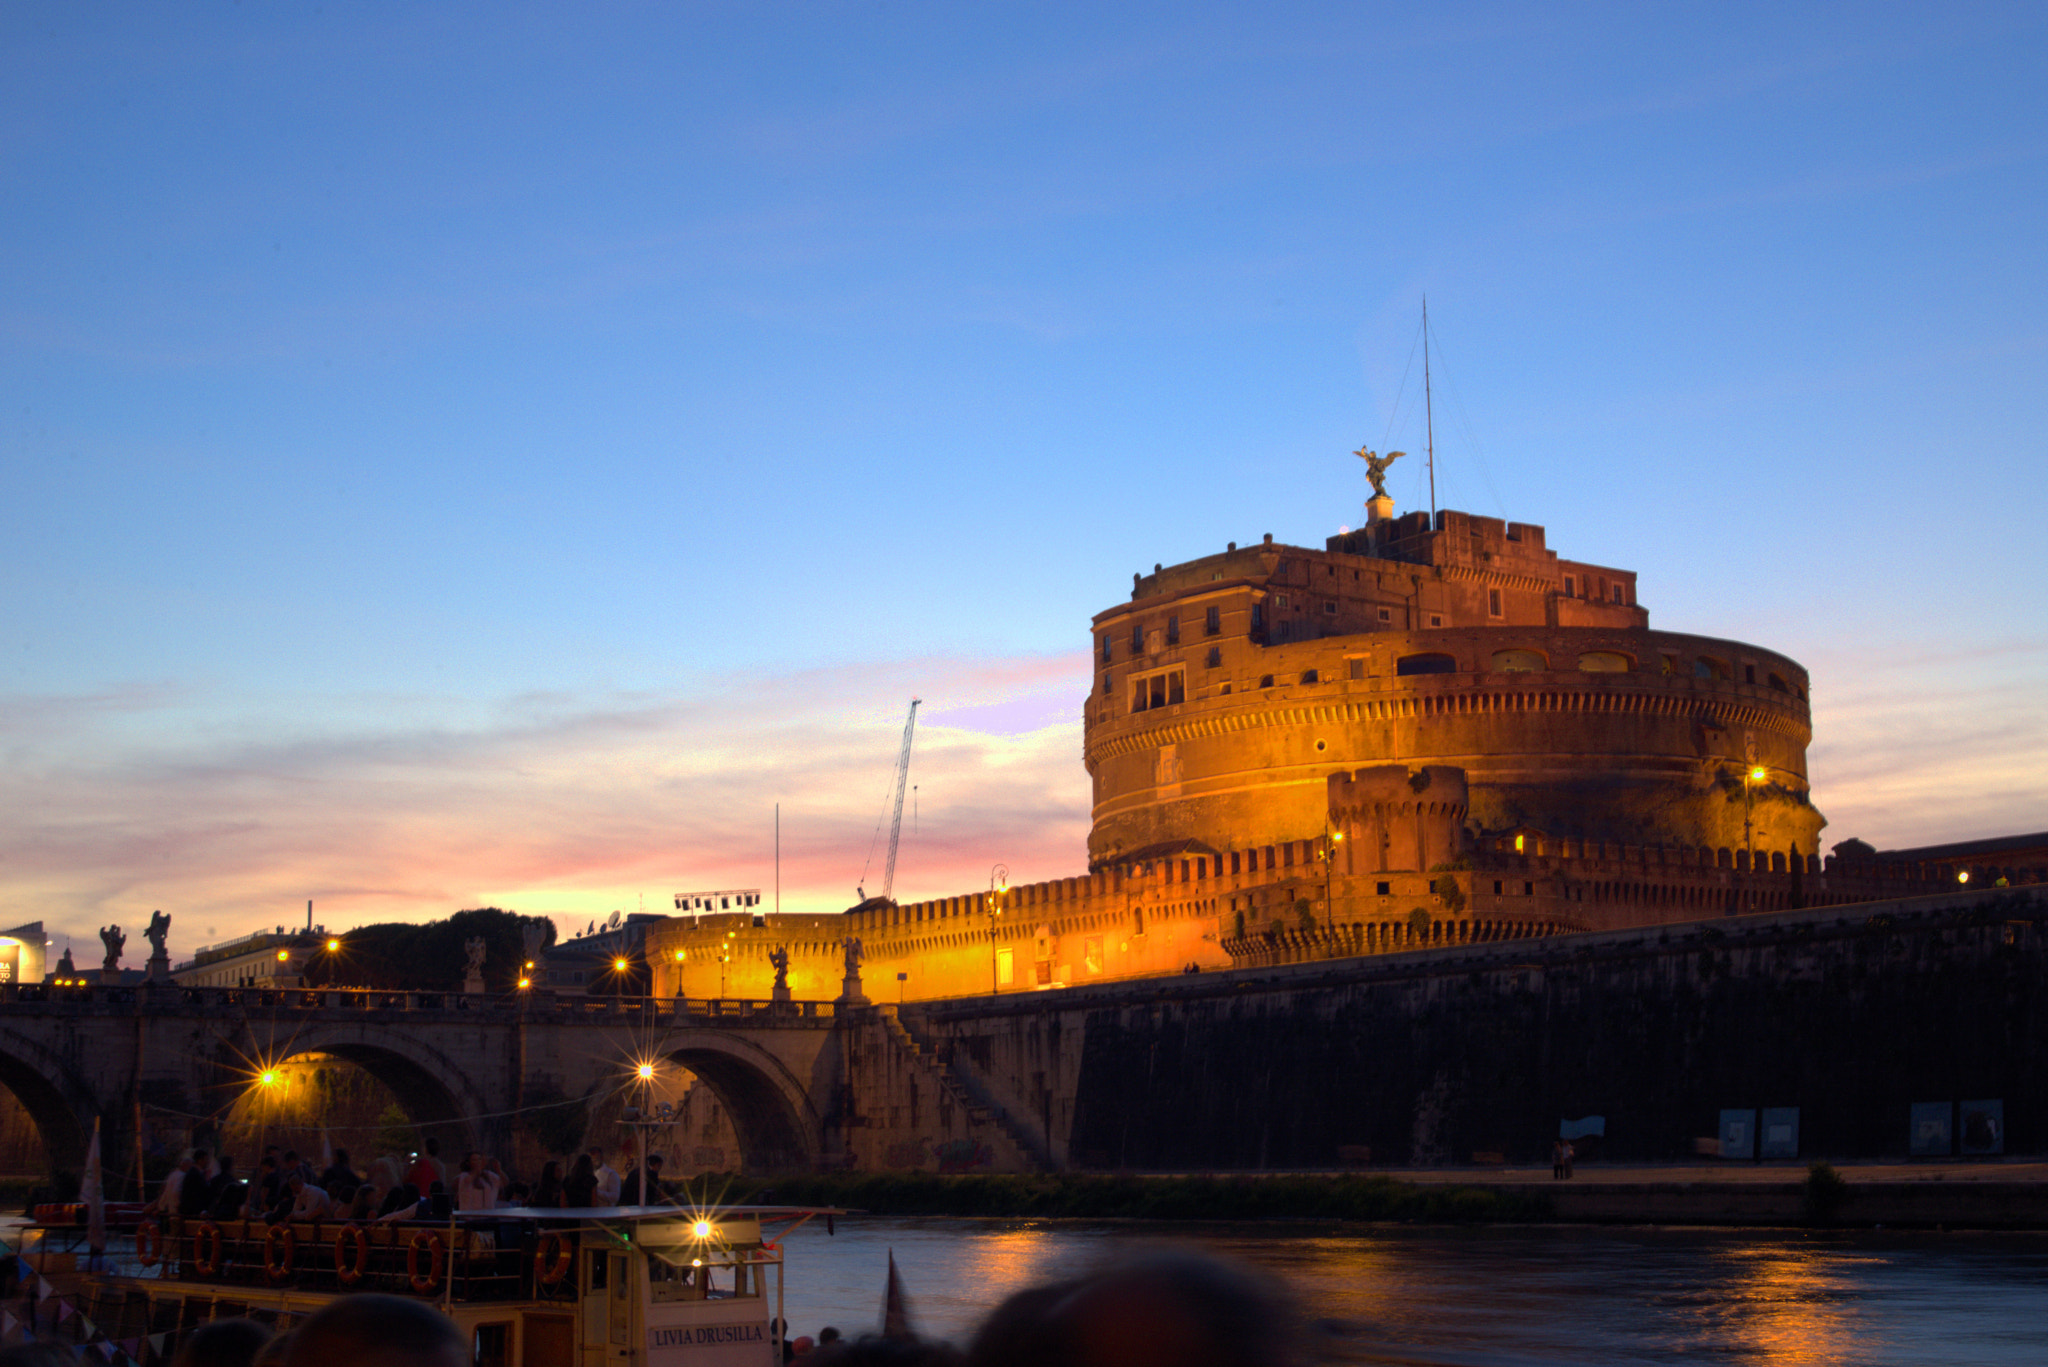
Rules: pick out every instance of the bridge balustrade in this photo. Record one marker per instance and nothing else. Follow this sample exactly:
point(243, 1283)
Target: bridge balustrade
point(532, 1005)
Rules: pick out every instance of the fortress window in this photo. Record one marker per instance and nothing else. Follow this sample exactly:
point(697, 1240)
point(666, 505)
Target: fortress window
point(1426, 664)
point(1258, 617)
point(1280, 631)
point(1106, 690)
point(1749, 674)
point(1308, 676)
point(1137, 638)
point(1357, 663)
point(1279, 600)
point(1330, 608)
point(1176, 687)
point(1518, 662)
point(1105, 647)
point(1493, 603)
point(1386, 614)
point(1215, 657)
point(1436, 619)
point(1386, 889)
point(1173, 629)
point(1265, 680)
point(1236, 861)
point(1617, 594)
point(1571, 586)
point(1605, 662)
point(1212, 622)
point(1777, 683)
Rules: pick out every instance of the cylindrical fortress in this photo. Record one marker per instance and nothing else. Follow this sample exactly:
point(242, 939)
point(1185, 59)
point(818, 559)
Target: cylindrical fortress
point(1231, 688)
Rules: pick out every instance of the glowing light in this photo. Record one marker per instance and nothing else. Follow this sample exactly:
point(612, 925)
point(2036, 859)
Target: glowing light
point(619, 964)
point(283, 955)
point(526, 982)
point(702, 1229)
point(333, 946)
point(1336, 837)
point(269, 1077)
point(1759, 774)
point(679, 956)
point(1963, 876)
point(646, 1072)
point(696, 1262)
point(1520, 843)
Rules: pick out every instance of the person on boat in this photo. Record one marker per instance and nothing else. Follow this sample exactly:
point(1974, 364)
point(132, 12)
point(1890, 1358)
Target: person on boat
point(499, 1181)
point(474, 1187)
point(308, 1202)
point(197, 1193)
point(362, 1207)
point(370, 1329)
point(222, 1343)
point(267, 1186)
point(228, 1194)
point(639, 1191)
point(579, 1188)
point(608, 1180)
point(400, 1204)
point(170, 1201)
point(428, 1168)
point(547, 1194)
point(339, 1179)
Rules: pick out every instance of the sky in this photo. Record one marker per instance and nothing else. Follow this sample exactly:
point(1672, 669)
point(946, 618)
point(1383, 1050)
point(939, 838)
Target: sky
point(471, 455)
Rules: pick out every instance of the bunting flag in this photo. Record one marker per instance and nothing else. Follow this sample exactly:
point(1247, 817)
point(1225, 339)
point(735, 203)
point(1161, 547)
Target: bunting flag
point(157, 1341)
point(132, 1347)
point(94, 1197)
point(43, 1287)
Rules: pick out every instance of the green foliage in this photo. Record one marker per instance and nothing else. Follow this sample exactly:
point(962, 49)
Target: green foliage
point(1419, 920)
point(395, 1132)
point(400, 956)
point(1305, 914)
point(1101, 1196)
point(1823, 1193)
point(557, 1121)
point(1459, 865)
point(1446, 887)
point(1240, 925)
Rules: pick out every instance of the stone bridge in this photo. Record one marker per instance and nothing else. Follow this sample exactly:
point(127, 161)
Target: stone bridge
point(1852, 1014)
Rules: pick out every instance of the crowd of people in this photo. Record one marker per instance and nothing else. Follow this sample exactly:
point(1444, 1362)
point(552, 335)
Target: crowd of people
point(286, 1186)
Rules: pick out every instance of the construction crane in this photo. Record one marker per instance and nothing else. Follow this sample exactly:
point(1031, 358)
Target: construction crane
point(896, 822)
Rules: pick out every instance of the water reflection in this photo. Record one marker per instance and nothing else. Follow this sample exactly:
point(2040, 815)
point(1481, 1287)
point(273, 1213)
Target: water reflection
point(1534, 1295)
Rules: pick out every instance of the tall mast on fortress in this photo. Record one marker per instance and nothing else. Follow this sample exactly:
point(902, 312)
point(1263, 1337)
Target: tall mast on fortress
point(1428, 413)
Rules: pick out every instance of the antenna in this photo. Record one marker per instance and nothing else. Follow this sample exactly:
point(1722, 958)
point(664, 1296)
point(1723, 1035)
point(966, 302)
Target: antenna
point(1428, 412)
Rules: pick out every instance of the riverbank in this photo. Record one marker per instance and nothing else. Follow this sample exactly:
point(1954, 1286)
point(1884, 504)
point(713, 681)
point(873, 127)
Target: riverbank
point(1990, 1196)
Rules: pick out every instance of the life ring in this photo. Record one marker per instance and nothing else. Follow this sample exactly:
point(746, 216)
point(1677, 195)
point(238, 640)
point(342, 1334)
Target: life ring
point(436, 1249)
point(279, 1269)
point(149, 1243)
point(348, 1272)
point(553, 1261)
point(206, 1245)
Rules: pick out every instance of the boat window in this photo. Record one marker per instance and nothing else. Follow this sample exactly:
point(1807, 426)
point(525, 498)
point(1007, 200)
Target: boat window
point(492, 1346)
point(597, 1271)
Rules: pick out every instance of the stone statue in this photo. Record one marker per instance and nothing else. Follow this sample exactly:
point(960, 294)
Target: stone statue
point(158, 933)
point(853, 957)
point(475, 949)
point(1376, 468)
point(113, 939)
point(780, 959)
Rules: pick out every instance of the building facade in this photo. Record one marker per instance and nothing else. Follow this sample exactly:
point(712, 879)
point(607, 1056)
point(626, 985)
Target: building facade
point(1426, 732)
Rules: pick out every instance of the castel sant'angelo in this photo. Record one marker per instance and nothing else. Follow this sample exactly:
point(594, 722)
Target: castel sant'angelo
point(1427, 732)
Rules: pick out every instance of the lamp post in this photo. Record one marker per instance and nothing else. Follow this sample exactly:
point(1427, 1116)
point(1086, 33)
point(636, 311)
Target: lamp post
point(1332, 837)
point(998, 887)
point(1755, 774)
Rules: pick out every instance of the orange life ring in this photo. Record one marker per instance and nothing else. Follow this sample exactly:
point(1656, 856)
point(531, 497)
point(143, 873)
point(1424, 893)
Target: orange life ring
point(436, 1248)
point(149, 1243)
point(279, 1269)
point(206, 1255)
point(552, 1263)
point(346, 1272)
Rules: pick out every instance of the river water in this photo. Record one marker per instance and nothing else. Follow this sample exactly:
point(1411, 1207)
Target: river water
point(1500, 1295)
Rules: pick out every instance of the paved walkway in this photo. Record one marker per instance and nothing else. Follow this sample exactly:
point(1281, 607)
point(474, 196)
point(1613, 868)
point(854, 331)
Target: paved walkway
point(1983, 1170)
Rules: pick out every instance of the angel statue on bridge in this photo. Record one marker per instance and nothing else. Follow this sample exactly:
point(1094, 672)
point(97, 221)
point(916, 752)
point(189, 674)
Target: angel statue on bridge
point(474, 948)
point(779, 958)
point(158, 933)
point(853, 957)
point(113, 938)
point(1376, 468)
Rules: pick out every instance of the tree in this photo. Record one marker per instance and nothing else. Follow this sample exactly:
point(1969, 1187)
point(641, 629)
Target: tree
point(395, 1133)
point(401, 956)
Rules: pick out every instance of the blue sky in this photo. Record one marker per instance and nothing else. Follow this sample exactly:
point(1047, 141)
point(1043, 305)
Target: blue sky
point(494, 453)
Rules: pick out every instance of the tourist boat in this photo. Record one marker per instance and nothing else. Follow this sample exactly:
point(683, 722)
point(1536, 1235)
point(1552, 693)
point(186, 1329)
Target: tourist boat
point(657, 1285)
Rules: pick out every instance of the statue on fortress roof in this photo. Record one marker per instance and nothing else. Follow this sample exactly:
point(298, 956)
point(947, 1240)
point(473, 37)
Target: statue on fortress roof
point(1376, 468)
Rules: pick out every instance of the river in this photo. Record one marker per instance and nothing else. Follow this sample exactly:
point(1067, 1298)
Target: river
point(1523, 1295)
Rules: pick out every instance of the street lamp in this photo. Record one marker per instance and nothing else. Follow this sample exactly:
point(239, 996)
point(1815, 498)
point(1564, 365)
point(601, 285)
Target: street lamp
point(1755, 774)
point(998, 888)
point(1331, 839)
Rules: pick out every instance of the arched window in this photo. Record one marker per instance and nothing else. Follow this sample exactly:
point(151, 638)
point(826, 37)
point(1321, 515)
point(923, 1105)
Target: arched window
point(1426, 664)
point(1707, 667)
point(1518, 661)
point(1605, 662)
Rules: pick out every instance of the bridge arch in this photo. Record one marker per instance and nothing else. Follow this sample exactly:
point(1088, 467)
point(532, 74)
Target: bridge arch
point(435, 1091)
point(56, 1099)
point(777, 1126)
